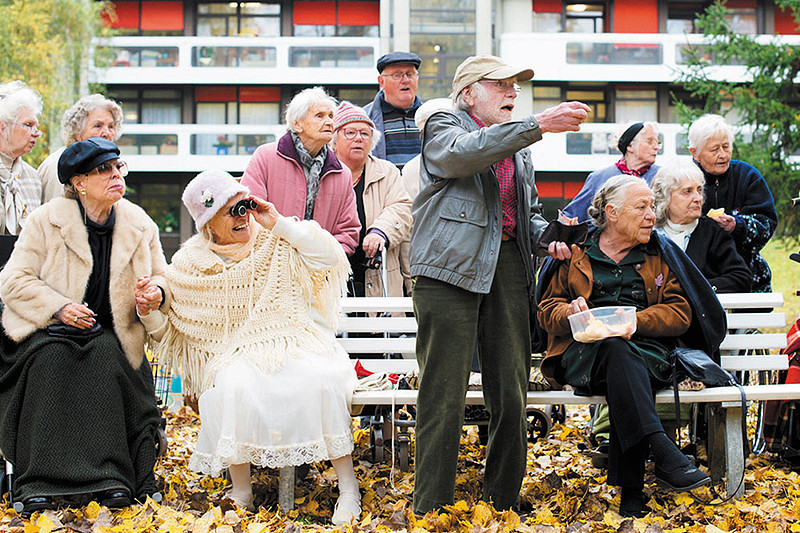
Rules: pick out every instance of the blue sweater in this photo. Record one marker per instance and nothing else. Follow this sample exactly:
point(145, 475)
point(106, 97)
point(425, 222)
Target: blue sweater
point(578, 206)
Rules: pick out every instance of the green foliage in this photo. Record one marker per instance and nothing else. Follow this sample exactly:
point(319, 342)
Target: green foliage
point(766, 105)
point(46, 44)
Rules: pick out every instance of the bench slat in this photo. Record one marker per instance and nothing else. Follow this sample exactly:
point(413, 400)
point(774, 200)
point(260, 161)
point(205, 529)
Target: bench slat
point(369, 304)
point(718, 394)
point(388, 324)
point(753, 300)
point(754, 342)
point(754, 362)
point(756, 320)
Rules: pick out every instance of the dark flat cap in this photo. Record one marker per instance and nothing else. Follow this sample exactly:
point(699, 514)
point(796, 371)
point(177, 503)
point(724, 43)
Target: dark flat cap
point(84, 156)
point(392, 58)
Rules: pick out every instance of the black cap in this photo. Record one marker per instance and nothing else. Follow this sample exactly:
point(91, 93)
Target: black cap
point(84, 156)
point(627, 136)
point(392, 58)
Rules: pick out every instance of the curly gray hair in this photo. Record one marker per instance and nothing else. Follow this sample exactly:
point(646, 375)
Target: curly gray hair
point(16, 96)
point(611, 193)
point(668, 179)
point(74, 119)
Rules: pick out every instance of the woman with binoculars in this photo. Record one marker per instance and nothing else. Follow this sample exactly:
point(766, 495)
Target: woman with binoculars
point(255, 296)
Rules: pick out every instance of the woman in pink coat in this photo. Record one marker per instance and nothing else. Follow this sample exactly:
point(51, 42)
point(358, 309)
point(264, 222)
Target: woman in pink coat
point(301, 176)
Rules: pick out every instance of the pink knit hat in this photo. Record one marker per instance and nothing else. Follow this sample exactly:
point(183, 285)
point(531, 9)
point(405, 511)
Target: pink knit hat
point(208, 192)
point(347, 113)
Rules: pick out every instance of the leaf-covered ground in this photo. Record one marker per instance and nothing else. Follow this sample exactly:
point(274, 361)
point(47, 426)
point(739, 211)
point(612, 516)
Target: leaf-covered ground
point(561, 493)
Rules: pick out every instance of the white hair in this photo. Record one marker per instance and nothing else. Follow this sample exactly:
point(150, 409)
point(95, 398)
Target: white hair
point(478, 90)
point(74, 119)
point(668, 179)
point(706, 127)
point(300, 105)
point(16, 96)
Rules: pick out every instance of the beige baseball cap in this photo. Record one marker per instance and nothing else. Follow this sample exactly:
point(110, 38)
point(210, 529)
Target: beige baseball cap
point(488, 67)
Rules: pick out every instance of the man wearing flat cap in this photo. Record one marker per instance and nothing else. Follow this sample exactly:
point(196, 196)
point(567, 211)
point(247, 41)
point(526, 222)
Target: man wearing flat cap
point(394, 106)
point(477, 219)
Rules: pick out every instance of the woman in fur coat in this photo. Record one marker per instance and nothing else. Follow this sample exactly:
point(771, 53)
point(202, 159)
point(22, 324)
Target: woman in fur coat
point(78, 412)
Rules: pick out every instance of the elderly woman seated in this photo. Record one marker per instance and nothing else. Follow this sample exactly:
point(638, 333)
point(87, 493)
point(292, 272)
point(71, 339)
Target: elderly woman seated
point(78, 405)
point(255, 298)
point(624, 262)
point(736, 195)
point(678, 192)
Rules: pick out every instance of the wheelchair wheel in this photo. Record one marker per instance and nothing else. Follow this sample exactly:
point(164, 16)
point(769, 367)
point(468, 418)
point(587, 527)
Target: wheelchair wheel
point(538, 424)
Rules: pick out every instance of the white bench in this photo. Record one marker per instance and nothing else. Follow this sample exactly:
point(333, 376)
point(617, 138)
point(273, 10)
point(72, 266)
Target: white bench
point(725, 439)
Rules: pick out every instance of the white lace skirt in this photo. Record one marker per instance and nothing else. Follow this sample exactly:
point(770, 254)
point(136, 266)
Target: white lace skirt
point(297, 415)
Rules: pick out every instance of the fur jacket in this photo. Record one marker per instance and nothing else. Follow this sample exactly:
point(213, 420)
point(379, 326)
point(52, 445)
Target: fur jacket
point(51, 264)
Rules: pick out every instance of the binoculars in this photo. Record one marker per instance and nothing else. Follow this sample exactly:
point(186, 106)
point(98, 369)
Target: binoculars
point(240, 208)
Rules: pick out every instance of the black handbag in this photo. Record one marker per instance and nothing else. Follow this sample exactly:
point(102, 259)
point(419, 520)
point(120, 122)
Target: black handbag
point(560, 232)
point(698, 366)
point(81, 336)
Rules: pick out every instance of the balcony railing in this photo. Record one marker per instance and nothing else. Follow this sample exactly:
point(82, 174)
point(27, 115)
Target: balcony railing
point(237, 60)
point(614, 57)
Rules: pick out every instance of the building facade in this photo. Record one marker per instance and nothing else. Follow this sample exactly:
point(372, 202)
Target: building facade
point(202, 82)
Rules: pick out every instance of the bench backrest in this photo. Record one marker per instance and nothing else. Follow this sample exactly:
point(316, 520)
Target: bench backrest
point(399, 332)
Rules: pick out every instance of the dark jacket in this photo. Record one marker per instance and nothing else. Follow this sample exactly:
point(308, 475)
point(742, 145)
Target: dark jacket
point(375, 113)
point(708, 325)
point(713, 251)
point(744, 194)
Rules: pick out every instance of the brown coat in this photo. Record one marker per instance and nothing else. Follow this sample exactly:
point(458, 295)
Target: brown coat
point(51, 264)
point(668, 315)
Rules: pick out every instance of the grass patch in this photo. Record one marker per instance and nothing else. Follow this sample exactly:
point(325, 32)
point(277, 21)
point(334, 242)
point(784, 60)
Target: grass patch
point(785, 275)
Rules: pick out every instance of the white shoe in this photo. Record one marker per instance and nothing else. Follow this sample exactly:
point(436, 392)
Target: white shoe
point(246, 504)
point(348, 508)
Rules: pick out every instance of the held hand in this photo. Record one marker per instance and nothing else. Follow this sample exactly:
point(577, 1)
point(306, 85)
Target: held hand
point(577, 305)
point(265, 214)
point(77, 315)
point(372, 244)
point(560, 250)
point(147, 295)
point(726, 222)
point(566, 116)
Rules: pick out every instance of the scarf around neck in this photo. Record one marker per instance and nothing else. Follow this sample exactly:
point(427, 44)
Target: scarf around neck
point(263, 308)
point(623, 167)
point(680, 233)
point(12, 203)
point(312, 166)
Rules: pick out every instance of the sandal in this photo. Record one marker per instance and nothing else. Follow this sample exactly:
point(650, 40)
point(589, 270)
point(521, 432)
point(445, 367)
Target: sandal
point(347, 509)
point(246, 505)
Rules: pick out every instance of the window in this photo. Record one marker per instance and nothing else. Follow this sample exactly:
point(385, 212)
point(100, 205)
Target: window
point(443, 35)
point(547, 16)
point(143, 17)
point(682, 16)
point(331, 57)
point(594, 97)
point(585, 18)
point(234, 56)
point(150, 106)
point(237, 105)
point(328, 18)
point(636, 104)
point(249, 19)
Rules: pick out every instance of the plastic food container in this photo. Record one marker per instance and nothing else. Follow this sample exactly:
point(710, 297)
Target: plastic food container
point(602, 323)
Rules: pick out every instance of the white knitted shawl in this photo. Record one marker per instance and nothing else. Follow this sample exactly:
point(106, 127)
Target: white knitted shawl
point(259, 308)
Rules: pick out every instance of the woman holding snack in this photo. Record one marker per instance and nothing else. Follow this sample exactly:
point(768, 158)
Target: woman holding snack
point(625, 263)
point(737, 197)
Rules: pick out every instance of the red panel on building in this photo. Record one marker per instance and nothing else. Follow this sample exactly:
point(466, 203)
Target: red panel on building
point(127, 15)
point(784, 22)
point(215, 94)
point(547, 6)
point(315, 13)
point(730, 4)
point(162, 15)
point(259, 94)
point(359, 14)
point(571, 189)
point(550, 189)
point(635, 16)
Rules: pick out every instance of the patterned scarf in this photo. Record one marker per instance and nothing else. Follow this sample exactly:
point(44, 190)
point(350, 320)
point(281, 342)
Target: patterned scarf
point(312, 166)
point(623, 167)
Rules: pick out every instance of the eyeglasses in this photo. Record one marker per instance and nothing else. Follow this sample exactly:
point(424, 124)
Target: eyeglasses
point(105, 170)
point(397, 76)
point(351, 134)
point(33, 129)
point(653, 142)
point(505, 86)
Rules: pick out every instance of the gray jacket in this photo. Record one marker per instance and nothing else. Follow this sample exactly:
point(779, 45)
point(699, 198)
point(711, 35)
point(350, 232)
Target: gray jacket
point(457, 213)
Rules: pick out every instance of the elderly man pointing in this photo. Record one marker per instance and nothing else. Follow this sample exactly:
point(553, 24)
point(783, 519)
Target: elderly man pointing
point(477, 218)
